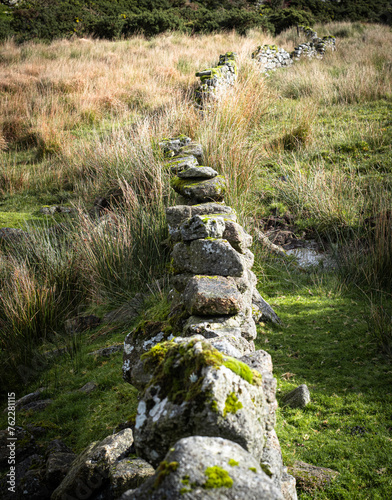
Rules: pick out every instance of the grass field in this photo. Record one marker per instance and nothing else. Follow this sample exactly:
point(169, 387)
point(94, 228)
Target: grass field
point(81, 119)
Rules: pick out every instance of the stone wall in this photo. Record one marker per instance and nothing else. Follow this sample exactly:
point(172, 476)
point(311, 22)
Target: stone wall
point(271, 57)
point(207, 405)
point(214, 81)
point(315, 46)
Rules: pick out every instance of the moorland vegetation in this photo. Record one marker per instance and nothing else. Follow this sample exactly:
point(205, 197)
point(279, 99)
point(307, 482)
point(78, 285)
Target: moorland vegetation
point(81, 119)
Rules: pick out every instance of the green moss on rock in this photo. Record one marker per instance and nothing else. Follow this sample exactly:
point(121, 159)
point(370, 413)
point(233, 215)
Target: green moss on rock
point(217, 478)
point(232, 404)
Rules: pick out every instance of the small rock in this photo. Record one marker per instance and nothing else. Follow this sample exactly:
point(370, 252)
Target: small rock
point(130, 473)
point(28, 398)
point(310, 478)
point(194, 149)
point(36, 405)
point(89, 387)
point(177, 164)
point(298, 398)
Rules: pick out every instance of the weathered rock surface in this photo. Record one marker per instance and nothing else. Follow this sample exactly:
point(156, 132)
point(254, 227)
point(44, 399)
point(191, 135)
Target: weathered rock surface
point(236, 236)
point(216, 326)
point(199, 468)
point(310, 478)
point(200, 191)
point(28, 398)
point(139, 341)
point(92, 469)
point(57, 467)
point(262, 310)
point(128, 473)
point(179, 214)
point(210, 257)
point(196, 390)
point(198, 227)
point(178, 164)
point(196, 171)
point(211, 295)
point(297, 398)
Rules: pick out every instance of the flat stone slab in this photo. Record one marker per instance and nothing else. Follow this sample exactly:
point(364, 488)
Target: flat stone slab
point(196, 172)
point(211, 295)
point(200, 468)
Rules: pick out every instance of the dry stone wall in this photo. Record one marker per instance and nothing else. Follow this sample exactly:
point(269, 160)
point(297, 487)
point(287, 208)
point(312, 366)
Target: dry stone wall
point(214, 81)
point(271, 57)
point(207, 405)
point(315, 46)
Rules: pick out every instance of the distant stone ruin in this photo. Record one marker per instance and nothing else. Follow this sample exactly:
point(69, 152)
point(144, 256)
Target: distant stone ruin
point(271, 57)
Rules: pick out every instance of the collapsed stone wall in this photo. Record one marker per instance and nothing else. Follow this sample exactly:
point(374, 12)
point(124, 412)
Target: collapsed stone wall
point(315, 47)
point(207, 405)
point(271, 57)
point(214, 81)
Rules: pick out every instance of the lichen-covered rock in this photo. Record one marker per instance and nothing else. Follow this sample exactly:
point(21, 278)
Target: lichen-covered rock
point(139, 341)
point(196, 172)
point(193, 149)
point(200, 468)
point(240, 325)
point(174, 145)
point(129, 473)
point(210, 257)
point(211, 295)
point(198, 227)
point(91, 471)
point(195, 390)
point(200, 191)
point(236, 236)
point(297, 398)
point(310, 477)
point(176, 165)
point(271, 461)
point(179, 214)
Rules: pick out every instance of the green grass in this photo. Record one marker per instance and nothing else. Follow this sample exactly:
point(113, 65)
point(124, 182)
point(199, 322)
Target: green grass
point(325, 343)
